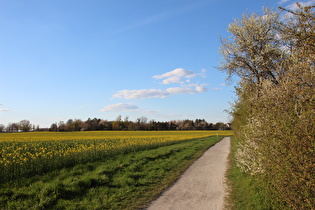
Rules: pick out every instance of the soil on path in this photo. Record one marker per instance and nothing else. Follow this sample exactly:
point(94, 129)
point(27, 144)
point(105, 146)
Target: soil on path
point(202, 185)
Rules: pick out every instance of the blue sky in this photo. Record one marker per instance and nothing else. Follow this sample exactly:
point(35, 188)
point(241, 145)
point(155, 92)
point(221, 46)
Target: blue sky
point(103, 58)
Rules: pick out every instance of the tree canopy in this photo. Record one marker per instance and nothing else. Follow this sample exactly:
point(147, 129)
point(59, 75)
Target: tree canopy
point(274, 116)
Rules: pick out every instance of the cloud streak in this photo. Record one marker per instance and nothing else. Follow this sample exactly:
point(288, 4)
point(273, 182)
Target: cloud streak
point(120, 107)
point(127, 107)
point(183, 90)
point(141, 94)
point(157, 93)
point(3, 109)
point(175, 76)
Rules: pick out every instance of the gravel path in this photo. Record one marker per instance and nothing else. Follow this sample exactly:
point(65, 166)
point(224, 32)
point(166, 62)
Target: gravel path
point(202, 186)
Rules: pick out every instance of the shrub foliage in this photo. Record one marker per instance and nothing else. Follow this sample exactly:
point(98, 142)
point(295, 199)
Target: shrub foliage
point(274, 115)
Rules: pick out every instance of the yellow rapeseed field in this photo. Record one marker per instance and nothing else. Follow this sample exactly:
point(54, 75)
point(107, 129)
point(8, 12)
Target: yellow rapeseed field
point(40, 152)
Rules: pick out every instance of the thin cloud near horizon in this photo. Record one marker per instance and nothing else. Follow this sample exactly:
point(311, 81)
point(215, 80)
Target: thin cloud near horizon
point(120, 107)
point(126, 107)
point(4, 109)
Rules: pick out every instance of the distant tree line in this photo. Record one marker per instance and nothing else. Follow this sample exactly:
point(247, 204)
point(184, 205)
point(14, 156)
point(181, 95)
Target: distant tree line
point(22, 126)
point(97, 124)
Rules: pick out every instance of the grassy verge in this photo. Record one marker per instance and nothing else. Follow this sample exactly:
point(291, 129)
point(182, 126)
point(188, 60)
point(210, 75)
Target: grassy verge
point(123, 181)
point(246, 192)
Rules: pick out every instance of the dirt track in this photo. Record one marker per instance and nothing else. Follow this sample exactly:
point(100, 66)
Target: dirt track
point(202, 185)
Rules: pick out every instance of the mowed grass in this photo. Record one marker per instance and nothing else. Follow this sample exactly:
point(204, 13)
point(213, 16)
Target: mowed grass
point(120, 181)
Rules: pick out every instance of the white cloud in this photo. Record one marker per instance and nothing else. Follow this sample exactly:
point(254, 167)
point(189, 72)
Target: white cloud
point(179, 72)
point(141, 94)
point(175, 76)
point(179, 75)
point(158, 93)
point(200, 89)
point(172, 79)
point(120, 107)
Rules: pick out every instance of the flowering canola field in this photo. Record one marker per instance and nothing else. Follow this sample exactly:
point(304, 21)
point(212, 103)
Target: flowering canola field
point(39, 152)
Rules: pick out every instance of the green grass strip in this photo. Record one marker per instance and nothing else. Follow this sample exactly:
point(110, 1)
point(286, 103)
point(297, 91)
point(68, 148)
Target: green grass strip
point(246, 191)
point(123, 181)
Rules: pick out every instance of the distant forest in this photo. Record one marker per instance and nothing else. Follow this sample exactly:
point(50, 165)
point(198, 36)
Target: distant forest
point(97, 124)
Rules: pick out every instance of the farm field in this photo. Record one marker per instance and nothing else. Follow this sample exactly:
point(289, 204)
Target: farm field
point(39, 152)
point(111, 164)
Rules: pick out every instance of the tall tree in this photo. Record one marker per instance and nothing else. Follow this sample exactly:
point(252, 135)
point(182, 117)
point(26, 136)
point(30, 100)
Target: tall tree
point(1, 127)
point(25, 125)
point(53, 127)
point(274, 116)
point(254, 51)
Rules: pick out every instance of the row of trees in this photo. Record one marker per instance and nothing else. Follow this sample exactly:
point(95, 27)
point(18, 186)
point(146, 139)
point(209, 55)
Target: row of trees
point(274, 116)
point(23, 126)
point(141, 123)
